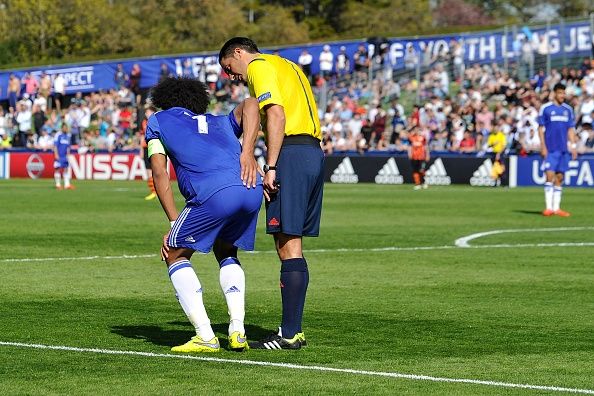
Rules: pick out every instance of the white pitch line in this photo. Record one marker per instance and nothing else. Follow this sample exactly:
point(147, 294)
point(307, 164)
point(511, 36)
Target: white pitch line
point(124, 256)
point(305, 367)
point(463, 242)
point(339, 250)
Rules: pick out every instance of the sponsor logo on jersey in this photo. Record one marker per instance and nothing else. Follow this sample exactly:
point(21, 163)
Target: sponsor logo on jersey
point(482, 176)
point(560, 118)
point(345, 173)
point(389, 174)
point(437, 175)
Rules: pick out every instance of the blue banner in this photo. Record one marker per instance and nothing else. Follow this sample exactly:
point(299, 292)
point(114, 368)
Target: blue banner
point(529, 171)
point(571, 40)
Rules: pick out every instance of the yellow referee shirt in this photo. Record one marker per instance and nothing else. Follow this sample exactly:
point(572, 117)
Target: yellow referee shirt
point(276, 80)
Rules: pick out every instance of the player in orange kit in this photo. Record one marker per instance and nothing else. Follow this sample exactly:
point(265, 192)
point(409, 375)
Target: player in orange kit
point(418, 153)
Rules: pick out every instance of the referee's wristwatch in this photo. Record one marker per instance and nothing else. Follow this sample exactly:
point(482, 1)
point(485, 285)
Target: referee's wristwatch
point(269, 168)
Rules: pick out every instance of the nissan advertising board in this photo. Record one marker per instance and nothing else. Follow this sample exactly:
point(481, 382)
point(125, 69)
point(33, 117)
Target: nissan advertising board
point(442, 170)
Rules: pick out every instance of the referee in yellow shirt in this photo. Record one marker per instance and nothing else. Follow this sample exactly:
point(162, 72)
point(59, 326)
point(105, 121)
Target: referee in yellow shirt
point(294, 170)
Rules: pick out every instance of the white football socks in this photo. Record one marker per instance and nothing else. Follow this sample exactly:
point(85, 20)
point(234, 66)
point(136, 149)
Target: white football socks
point(57, 177)
point(66, 177)
point(189, 293)
point(548, 189)
point(557, 191)
point(232, 281)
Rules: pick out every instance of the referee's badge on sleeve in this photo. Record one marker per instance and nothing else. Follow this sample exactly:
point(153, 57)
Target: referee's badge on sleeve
point(264, 96)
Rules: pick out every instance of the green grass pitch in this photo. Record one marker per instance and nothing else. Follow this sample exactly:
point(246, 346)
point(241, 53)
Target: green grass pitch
point(515, 308)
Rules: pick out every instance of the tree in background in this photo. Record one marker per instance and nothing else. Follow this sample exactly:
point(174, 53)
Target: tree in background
point(53, 30)
point(384, 17)
point(47, 29)
point(460, 13)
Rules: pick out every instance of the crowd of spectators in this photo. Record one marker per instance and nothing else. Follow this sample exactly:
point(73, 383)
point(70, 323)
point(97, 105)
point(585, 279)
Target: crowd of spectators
point(455, 114)
point(458, 108)
point(38, 108)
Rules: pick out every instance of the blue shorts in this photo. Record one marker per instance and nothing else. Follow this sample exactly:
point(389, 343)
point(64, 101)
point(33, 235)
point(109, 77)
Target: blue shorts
point(297, 207)
point(229, 214)
point(61, 163)
point(556, 161)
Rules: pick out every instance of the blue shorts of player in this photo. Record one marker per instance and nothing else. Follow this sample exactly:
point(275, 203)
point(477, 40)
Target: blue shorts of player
point(297, 207)
point(61, 163)
point(556, 161)
point(229, 214)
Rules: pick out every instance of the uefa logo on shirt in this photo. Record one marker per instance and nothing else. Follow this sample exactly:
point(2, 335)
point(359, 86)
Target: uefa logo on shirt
point(35, 166)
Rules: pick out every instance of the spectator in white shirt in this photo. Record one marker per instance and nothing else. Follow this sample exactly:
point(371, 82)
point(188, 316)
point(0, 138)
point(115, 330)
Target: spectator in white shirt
point(326, 61)
point(59, 90)
point(45, 141)
point(343, 63)
point(532, 141)
point(354, 125)
point(305, 60)
point(41, 101)
point(23, 119)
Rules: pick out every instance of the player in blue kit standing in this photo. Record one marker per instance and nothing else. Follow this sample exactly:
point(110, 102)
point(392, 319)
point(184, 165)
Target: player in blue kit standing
point(223, 193)
point(61, 153)
point(556, 125)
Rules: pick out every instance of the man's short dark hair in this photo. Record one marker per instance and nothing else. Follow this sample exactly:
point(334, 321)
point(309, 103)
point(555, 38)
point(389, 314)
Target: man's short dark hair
point(559, 86)
point(185, 92)
point(237, 42)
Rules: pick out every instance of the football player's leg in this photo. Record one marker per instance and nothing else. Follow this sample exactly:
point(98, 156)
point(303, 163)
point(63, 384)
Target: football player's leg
point(549, 166)
point(558, 192)
point(549, 192)
point(57, 177)
point(241, 212)
point(557, 189)
point(66, 175)
point(562, 167)
point(188, 290)
point(294, 279)
point(232, 282)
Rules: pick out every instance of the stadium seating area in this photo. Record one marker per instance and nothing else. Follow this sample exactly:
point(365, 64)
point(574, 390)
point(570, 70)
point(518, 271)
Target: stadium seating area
point(456, 107)
point(455, 116)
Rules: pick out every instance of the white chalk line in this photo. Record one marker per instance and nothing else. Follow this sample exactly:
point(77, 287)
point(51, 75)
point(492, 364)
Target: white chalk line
point(304, 367)
point(308, 251)
point(463, 242)
point(124, 256)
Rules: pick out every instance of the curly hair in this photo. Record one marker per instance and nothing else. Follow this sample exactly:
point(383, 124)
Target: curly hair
point(185, 92)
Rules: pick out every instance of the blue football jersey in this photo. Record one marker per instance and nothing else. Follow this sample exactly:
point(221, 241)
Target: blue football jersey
point(203, 149)
point(556, 119)
point(62, 143)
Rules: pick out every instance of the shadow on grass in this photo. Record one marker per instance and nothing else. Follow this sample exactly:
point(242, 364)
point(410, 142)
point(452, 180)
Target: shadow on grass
point(529, 212)
point(170, 337)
